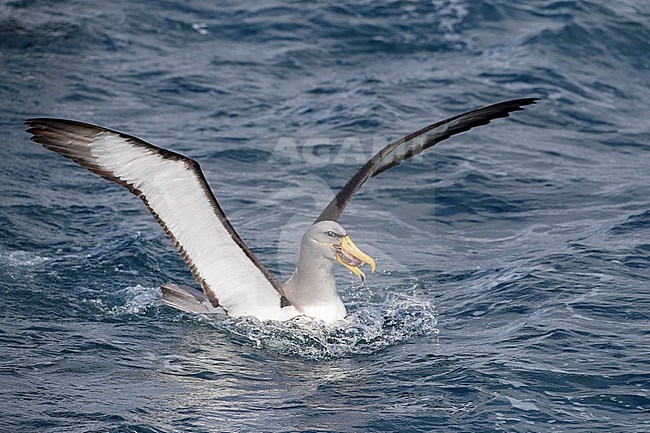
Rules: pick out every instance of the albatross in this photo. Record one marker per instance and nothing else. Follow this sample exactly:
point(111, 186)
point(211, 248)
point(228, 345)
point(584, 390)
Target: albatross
point(232, 278)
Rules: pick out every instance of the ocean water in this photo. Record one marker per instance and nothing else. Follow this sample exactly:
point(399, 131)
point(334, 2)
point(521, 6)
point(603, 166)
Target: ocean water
point(513, 283)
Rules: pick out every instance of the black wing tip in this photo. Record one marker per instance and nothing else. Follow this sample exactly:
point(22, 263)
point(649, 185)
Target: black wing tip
point(524, 101)
point(515, 104)
point(527, 101)
point(40, 126)
point(34, 121)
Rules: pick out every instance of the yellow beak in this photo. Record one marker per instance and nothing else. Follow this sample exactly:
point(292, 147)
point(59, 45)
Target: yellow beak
point(351, 251)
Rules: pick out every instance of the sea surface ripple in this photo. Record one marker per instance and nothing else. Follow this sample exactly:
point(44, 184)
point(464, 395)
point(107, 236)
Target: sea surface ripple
point(513, 288)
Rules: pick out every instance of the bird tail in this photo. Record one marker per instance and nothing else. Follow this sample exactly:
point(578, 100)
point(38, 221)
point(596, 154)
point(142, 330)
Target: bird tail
point(187, 299)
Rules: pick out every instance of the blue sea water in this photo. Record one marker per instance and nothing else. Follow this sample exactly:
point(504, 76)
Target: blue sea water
point(513, 283)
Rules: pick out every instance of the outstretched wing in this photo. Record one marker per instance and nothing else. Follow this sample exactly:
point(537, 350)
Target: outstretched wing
point(413, 144)
point(175, 191)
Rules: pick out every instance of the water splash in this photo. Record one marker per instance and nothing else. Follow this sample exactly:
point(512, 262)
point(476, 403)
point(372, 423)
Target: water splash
point(22, 259)
point(130, 301)
point(366, 330)
point(139, 300)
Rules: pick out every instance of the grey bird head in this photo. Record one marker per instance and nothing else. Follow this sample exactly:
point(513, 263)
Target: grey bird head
point(330, 240)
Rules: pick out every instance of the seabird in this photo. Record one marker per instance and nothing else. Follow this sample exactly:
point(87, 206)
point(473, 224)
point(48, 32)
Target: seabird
point(234, 281)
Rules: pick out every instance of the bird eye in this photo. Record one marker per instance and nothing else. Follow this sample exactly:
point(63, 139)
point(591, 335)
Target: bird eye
point(332, 234)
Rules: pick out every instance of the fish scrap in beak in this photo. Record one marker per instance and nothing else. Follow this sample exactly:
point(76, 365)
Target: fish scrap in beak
point(352, 257)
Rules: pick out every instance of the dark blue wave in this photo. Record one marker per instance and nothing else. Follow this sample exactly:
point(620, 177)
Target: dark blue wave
point(513, 260)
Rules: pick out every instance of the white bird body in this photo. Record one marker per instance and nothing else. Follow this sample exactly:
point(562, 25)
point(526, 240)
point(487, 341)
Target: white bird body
point(233, 280)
